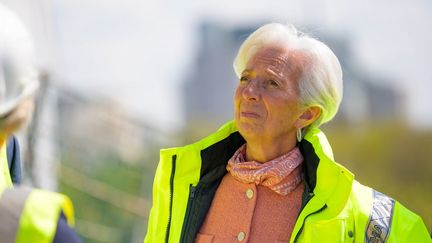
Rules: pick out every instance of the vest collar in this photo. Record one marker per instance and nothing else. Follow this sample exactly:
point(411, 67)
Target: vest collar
point(329, 181)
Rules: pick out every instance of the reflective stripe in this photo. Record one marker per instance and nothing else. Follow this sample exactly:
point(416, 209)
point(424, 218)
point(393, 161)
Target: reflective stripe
point(11, 206)
point(379, 224)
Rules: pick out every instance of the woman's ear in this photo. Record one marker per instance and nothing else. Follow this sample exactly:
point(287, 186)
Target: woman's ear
point(308, 116)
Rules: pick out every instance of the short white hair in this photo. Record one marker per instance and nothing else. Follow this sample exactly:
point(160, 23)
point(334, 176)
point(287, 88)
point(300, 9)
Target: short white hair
point(320, 82)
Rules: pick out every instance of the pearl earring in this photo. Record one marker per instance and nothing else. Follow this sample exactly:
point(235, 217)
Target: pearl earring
point(299, 135)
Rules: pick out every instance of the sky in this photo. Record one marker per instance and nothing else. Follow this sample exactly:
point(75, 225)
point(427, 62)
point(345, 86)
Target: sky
point(138, 52)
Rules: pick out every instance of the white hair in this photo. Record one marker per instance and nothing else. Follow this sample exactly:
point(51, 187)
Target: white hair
point(320, 83)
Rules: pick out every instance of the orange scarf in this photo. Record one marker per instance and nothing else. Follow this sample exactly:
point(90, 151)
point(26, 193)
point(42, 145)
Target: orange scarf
point(278, 174)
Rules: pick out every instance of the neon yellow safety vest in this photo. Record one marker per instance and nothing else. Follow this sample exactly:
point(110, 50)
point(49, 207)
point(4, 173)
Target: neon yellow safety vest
point(336, 208)
point(5, 178)
point(31, 215)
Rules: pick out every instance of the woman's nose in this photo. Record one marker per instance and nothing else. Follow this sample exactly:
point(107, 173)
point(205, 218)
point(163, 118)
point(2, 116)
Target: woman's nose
point(251, 91)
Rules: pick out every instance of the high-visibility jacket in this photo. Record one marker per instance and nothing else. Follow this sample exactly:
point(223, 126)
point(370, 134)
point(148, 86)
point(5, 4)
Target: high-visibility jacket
point(10, 164)
point(31, 215)
point(335, 207)
point(5, 178)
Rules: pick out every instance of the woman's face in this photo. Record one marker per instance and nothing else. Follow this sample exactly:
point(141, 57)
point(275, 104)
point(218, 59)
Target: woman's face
point(266, 100)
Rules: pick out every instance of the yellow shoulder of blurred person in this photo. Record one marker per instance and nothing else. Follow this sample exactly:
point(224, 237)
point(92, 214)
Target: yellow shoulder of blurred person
point(5, 178)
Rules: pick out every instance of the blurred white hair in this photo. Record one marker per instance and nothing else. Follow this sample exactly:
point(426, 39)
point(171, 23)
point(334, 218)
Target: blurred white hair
point(320, 83)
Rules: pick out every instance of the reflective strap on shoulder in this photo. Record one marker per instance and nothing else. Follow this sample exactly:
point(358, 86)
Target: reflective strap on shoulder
point(12, 203)
point(380, 218)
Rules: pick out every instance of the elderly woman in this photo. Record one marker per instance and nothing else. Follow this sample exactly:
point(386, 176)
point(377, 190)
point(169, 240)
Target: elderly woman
point(270, 175)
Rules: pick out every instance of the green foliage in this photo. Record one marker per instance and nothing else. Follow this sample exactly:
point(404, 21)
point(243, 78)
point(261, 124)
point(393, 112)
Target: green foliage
point(98, 219)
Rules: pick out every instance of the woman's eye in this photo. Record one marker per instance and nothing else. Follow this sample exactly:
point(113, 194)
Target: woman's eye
point(273, 83)
point(244, 79)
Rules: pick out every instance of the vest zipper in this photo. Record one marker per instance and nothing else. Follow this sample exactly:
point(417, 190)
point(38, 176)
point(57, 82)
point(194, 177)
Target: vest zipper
point(301, 228)
point(190, 207)
point(173, 166)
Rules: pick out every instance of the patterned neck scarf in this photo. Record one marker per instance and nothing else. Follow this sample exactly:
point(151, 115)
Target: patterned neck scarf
point(279, 174)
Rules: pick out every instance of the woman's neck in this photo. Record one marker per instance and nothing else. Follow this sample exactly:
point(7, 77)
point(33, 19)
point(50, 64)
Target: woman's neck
point(263, 152)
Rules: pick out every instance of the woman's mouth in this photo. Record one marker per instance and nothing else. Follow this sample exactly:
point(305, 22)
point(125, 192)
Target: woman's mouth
point(249, 114)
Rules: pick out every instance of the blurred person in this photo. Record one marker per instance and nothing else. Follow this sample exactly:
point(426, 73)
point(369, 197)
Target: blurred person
point(270, 175)
point(26, 215)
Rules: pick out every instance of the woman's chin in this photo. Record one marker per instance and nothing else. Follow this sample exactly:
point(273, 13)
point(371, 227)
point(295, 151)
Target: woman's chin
point(249, 131)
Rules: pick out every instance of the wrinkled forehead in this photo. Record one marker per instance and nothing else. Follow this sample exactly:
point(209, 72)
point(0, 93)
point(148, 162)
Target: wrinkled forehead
point(282, 59)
